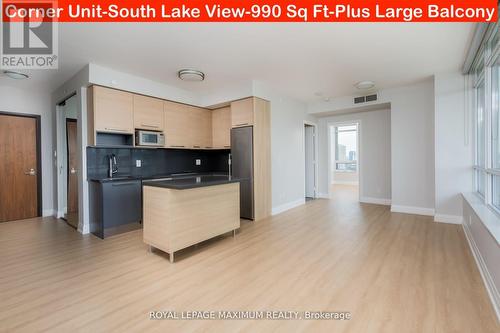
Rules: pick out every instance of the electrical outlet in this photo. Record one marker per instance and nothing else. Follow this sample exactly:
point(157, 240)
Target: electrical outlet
point(138, 163)
point(198, 161)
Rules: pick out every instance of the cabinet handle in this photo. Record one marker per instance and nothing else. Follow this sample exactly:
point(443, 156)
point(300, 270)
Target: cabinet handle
point(152, 126)
point(177, 146)
point(227, 146)
point(115, 129)
point(241, 124)
point(208, 147)
point(196, 146)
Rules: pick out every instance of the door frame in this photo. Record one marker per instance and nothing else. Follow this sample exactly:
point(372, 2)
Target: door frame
point(331, 124)
point(38, 135)
point(316, 151)
point(69, 120)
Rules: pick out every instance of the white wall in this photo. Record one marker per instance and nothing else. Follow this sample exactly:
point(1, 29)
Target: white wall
point(412, 143)
point(453, 147)
point(16, 98)
point(374, 153)
point(412, 127)
point(287, 147)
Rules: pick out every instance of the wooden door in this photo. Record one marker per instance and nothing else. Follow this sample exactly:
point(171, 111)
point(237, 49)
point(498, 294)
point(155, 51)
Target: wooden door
point(72, 199)
point(18, 168)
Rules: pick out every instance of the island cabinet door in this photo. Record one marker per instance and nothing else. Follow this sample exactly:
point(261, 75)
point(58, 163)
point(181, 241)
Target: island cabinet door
point(171, 223)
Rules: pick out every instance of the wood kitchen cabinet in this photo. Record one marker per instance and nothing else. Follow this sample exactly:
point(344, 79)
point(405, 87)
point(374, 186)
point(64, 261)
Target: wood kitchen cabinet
point(148, 113)
point(187, 126)
point(201, 127)
point(242, 112)
point(177, 125)
point(221, 128)
point(256, 112)
point(113, 110)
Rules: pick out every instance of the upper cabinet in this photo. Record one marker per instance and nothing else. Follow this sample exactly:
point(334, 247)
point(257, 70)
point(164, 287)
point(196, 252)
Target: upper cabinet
point(148, 113)
point(187, 126)
point(221, 128)
point(113, 110)
point(201, 127)
point(177, 123)
point(242, 112)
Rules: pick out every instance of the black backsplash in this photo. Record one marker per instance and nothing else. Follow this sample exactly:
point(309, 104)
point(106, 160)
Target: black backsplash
point(155, 162)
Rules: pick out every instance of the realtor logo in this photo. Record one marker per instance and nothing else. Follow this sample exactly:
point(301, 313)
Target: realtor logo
point(29, 38)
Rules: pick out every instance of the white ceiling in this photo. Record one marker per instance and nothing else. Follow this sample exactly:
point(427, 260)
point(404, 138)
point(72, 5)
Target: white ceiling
point(298, 59)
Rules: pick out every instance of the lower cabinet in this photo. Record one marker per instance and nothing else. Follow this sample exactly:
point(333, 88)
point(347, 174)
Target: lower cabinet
point(115, 207)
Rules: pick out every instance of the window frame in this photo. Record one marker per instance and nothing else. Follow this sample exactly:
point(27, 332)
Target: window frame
point(482, 72)
point(337, 161)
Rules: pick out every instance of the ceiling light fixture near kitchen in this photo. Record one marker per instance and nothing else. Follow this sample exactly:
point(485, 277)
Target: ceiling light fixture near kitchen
point(191, 75)
point(16, 75)
point(364, 85)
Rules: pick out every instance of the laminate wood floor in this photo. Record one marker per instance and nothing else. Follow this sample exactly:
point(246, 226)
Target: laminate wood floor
point(392, 272)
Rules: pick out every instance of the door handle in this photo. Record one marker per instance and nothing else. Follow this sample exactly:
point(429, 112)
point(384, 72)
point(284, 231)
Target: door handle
point(32, 172)
point(116, 129)
point(72, 171)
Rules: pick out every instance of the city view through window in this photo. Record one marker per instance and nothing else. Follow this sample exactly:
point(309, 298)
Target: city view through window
point(346, 148)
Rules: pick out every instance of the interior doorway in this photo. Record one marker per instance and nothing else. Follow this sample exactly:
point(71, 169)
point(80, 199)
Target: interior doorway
point(310, 161)
point(20, 167)
point(68, 160)
point(345, 156)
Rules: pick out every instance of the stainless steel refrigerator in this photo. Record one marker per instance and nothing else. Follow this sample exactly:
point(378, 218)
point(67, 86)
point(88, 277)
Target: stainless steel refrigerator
point(242, 167)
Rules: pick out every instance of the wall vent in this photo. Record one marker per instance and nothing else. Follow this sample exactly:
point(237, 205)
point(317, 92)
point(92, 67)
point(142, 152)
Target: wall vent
point(358, 100)
point(365, 99)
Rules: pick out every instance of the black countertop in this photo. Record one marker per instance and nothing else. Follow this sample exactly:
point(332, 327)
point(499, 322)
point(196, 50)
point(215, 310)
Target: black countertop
point(184, 183)
point(146, 178)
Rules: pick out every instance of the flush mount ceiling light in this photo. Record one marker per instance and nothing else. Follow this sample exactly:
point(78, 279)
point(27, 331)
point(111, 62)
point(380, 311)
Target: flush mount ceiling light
point(363, 85)
point(16, 75)
point(191, 75)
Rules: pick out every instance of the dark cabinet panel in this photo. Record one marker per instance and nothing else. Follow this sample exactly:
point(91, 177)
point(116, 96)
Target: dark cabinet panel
point(115, 207)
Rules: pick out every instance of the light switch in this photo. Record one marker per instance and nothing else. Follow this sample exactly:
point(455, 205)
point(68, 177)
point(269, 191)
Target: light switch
point(138, 163)
point(198, 161)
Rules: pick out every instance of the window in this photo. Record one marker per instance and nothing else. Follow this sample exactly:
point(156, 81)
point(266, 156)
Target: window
point(346, 148)
point(480, 139)
point(486, 77)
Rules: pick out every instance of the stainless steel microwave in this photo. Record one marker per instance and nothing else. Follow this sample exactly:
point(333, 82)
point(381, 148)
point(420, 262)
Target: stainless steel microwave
point(149, 138)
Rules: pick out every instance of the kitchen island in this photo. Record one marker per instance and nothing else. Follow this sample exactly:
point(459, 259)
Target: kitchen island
point(180, 212)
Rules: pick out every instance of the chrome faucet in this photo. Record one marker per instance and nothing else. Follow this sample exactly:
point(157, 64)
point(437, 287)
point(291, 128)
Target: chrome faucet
point(113, 167)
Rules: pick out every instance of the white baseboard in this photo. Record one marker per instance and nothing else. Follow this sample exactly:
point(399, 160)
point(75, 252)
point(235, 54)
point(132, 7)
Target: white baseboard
point(452, 219)
point(323, 196)
point(345, 182)
point(287, 206)
point(48, 212)
point(376, 201)
point(412, 210)
point(493, 292)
